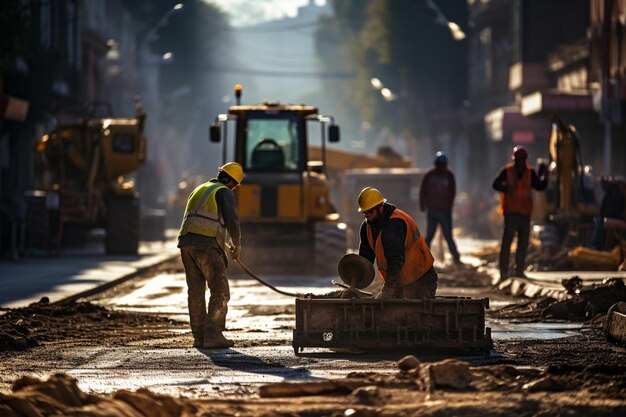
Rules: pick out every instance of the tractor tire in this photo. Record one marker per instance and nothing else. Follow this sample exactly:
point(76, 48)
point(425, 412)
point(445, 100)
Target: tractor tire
point(122, 226)
point(331, 244)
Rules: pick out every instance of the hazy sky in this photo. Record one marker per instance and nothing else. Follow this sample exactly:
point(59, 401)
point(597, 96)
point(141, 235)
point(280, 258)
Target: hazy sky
point(250, 12)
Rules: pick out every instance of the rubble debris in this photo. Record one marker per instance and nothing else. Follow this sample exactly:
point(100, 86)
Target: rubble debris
point(369, 394)
point(615, 327)
point(42, 321)
point(287, 389)
point(478, 391)
point(547, 383)
point(408, 363)
point(450, 373)
point(586, 303)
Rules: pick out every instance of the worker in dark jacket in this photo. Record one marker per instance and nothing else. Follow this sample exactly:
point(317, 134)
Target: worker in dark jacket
point(437, 193)
point(515, 182)
point(210, 215)
point(391, 237)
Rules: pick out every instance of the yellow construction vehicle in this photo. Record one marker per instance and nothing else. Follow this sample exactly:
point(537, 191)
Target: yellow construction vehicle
point(286, 217)
point(81, 170)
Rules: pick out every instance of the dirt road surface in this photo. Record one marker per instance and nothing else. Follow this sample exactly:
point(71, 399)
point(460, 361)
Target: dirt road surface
point(137, 336)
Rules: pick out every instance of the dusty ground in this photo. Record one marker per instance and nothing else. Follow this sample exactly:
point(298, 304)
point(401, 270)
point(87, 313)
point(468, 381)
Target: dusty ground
point(578, 375)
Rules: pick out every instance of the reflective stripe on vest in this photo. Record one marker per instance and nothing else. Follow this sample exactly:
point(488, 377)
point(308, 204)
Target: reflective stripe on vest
point(202, 214)
point(417, 257)
point(519, 199)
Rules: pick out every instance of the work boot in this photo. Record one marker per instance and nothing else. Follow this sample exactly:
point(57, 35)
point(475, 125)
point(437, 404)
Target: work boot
point(216, 340)
point(504, 274)
point(198, 340)
point(520, 274)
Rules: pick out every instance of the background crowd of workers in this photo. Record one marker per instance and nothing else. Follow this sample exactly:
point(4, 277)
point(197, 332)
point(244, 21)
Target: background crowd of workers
point(388, 236)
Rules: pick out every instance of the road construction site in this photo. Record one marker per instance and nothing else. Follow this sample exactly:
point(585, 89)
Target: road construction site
point(135, 336)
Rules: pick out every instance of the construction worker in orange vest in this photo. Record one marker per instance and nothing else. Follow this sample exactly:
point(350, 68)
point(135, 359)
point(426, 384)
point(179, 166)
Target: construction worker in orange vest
point(515, 182)
point(391, 237)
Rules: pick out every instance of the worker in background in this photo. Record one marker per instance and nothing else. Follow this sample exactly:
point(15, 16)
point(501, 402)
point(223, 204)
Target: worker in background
point(210, 215)
point(613, 207)
point(437, 193)
point(515, 182)
point(391, 237)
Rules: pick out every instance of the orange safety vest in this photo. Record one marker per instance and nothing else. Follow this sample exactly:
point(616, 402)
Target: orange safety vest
point(417, 256)
point(519, 200)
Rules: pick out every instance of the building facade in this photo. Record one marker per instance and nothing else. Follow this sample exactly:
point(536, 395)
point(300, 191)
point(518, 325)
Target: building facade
point(529, 60)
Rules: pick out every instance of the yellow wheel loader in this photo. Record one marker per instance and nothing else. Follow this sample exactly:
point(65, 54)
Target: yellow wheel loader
point(82, 183)
point(286, 217)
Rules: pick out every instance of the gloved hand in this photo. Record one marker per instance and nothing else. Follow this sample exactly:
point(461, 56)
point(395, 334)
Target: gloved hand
point(235, 251)
point(387, 292)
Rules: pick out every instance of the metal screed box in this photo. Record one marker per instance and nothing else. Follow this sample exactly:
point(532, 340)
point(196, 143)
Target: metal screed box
point(444, 323)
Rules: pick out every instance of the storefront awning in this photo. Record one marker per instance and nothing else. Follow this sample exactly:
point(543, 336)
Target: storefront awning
point(547, 102)
point(510, 125)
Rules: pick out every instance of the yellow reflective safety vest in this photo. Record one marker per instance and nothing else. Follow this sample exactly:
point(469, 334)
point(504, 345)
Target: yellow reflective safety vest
point(202, 214)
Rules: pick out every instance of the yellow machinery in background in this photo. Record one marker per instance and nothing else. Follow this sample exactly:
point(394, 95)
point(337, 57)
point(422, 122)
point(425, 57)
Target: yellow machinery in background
point(568, 207)
point(286, 215)
point(82, 181)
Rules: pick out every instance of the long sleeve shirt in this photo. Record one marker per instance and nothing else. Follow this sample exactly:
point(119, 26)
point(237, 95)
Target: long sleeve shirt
point(437, 190)
point(392, 232)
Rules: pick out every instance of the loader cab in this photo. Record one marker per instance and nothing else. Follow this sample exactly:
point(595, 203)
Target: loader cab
point(271, 142)
point(283, 201)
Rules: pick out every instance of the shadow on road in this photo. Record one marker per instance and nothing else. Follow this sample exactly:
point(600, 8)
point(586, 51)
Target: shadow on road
point(232, 359)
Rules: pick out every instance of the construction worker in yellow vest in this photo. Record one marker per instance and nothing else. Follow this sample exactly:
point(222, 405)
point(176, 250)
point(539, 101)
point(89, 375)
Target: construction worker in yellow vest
point(210, 222)
point(392, 238)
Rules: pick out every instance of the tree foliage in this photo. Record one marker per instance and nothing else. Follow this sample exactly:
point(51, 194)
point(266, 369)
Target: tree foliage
point(400, 43)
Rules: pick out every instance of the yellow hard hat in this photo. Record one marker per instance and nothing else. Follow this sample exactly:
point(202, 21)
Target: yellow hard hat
point(370, 197)
point(234, 170)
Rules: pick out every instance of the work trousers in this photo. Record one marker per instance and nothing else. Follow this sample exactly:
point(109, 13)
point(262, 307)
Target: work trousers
point(444, 218)
point(204, 265)
point(520, 224)
point(424, 287)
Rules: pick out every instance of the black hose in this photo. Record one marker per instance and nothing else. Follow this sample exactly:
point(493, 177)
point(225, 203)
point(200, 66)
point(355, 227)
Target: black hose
point(247, 271)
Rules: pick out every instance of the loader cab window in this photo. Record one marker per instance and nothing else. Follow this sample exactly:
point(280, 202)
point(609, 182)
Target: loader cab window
point(271, 142)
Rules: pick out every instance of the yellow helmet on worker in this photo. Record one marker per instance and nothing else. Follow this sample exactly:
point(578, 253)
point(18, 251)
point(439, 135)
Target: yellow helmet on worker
point(370, 197)
point(233, 170)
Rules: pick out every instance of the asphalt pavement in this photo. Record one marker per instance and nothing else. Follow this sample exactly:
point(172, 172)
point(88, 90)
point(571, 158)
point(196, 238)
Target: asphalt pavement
point(74, 271)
